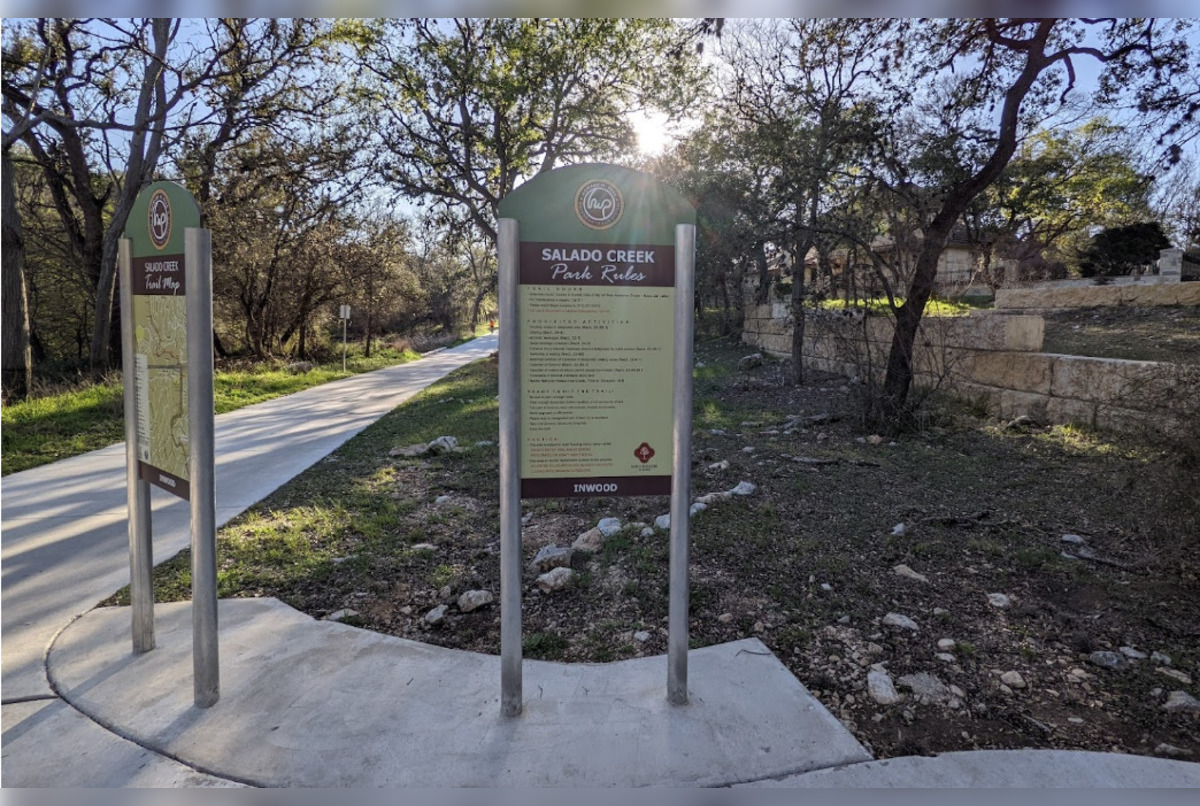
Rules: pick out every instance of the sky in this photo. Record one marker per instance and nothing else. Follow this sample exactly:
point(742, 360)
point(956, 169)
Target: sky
point(667, 8)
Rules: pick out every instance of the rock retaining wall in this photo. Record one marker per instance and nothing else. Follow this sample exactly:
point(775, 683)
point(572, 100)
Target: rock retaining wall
point(994, 359)
point(1046, 296)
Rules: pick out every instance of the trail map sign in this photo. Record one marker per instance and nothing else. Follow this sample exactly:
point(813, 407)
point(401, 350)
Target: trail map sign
point(165, 263)
point(156, 225)
point(596, 302)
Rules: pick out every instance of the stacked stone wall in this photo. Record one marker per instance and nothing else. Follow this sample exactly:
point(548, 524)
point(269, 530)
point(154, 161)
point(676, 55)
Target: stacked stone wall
point(995, 360)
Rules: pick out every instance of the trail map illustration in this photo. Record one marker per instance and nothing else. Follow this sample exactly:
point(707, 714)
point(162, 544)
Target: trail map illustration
point(161, 372)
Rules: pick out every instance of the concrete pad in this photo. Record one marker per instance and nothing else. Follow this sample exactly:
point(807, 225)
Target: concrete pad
point(320, 704)
point(47, 743)
point(1046, 769)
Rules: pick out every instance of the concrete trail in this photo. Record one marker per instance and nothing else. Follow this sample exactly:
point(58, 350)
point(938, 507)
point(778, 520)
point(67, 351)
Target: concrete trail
point(65, 544)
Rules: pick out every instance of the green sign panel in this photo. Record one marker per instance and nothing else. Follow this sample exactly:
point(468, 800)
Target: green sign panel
point(597, 311)
point(155, 229)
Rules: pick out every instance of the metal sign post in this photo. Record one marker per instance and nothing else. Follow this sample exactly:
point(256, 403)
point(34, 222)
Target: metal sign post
point(141, 552)
point(201, 465)
point(345, 317)
point(681, 477)
point(510, 474)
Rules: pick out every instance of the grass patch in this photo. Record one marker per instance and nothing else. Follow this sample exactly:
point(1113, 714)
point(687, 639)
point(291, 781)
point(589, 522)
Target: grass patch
point(47, 429)
point(879, 305)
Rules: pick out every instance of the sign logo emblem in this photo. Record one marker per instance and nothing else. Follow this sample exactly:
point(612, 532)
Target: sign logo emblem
point(159, 215)
point(644, 453)
point(599, 204)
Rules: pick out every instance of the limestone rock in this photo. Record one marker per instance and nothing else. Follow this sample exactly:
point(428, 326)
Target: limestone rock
point(1107, 660)
point(556, 579)
point(609, 526)
point(1072, 539)
point(1180, 702)
point(424, 547)
point(442, 445)
point(750, 361)
point(697, 508)
point(717, 467)
point(902, 622)
point(647, 532)
point(923, 684)
point(999, 600)
point(1160, 658)
point(880, 686)
point(1171, 751)
point(339, 615)
point(1175, 674)
point(899, 529)
point(946, 644)
point(410, 451)
point(945, 657)
point(441, 499)
point(436, 616)
point(549, 557)
point(641, 636)
point(744, 488)
point(473, 600)
point(905, 571)
point(725, 618)
point(591, 540)
point(1013, 679)
point(663, 521)
point(1132, 653)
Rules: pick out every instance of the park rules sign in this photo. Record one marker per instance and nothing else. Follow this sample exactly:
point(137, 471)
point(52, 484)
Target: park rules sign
point(155, 229)
point(596, 315)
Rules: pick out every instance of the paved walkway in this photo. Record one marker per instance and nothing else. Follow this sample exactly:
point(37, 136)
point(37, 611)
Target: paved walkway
point(309, 703)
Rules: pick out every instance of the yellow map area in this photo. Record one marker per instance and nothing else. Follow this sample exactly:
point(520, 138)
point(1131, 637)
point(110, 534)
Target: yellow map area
point(160, 325)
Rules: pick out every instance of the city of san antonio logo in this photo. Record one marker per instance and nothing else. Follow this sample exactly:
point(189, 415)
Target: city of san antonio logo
point(159, 219)
point(599, 204)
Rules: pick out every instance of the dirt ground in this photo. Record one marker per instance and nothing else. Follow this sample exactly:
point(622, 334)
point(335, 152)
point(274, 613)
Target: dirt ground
point(1166, 333)
point(1091, 539)
point(810, 563)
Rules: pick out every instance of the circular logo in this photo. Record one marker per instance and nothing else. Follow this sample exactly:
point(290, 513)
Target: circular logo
point(599, 204)
point(159, 219)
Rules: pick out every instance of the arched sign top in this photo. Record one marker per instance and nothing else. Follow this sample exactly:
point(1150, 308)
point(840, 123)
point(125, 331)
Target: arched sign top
point(160, 214)
point(597, 203)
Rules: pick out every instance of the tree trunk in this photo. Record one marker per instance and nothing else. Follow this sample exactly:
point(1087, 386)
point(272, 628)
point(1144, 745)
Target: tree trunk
point(143, 158)
point(801, 250)
point(17, 362)
point(763, 294)
point(899, 376)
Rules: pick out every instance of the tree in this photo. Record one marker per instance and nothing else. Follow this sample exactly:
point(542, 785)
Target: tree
point(467, 108)
point(17, 360)
point(1117, 251)
point(1058, 186)
point(282, 213)
point(92, 96)
point(801, 88)
point(1011, 73)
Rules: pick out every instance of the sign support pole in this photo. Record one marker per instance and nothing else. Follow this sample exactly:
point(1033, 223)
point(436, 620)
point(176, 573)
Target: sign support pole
point(510, 472)
point(345, 311)
point(201, 466)
point(677, 618)
point(141, 550)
